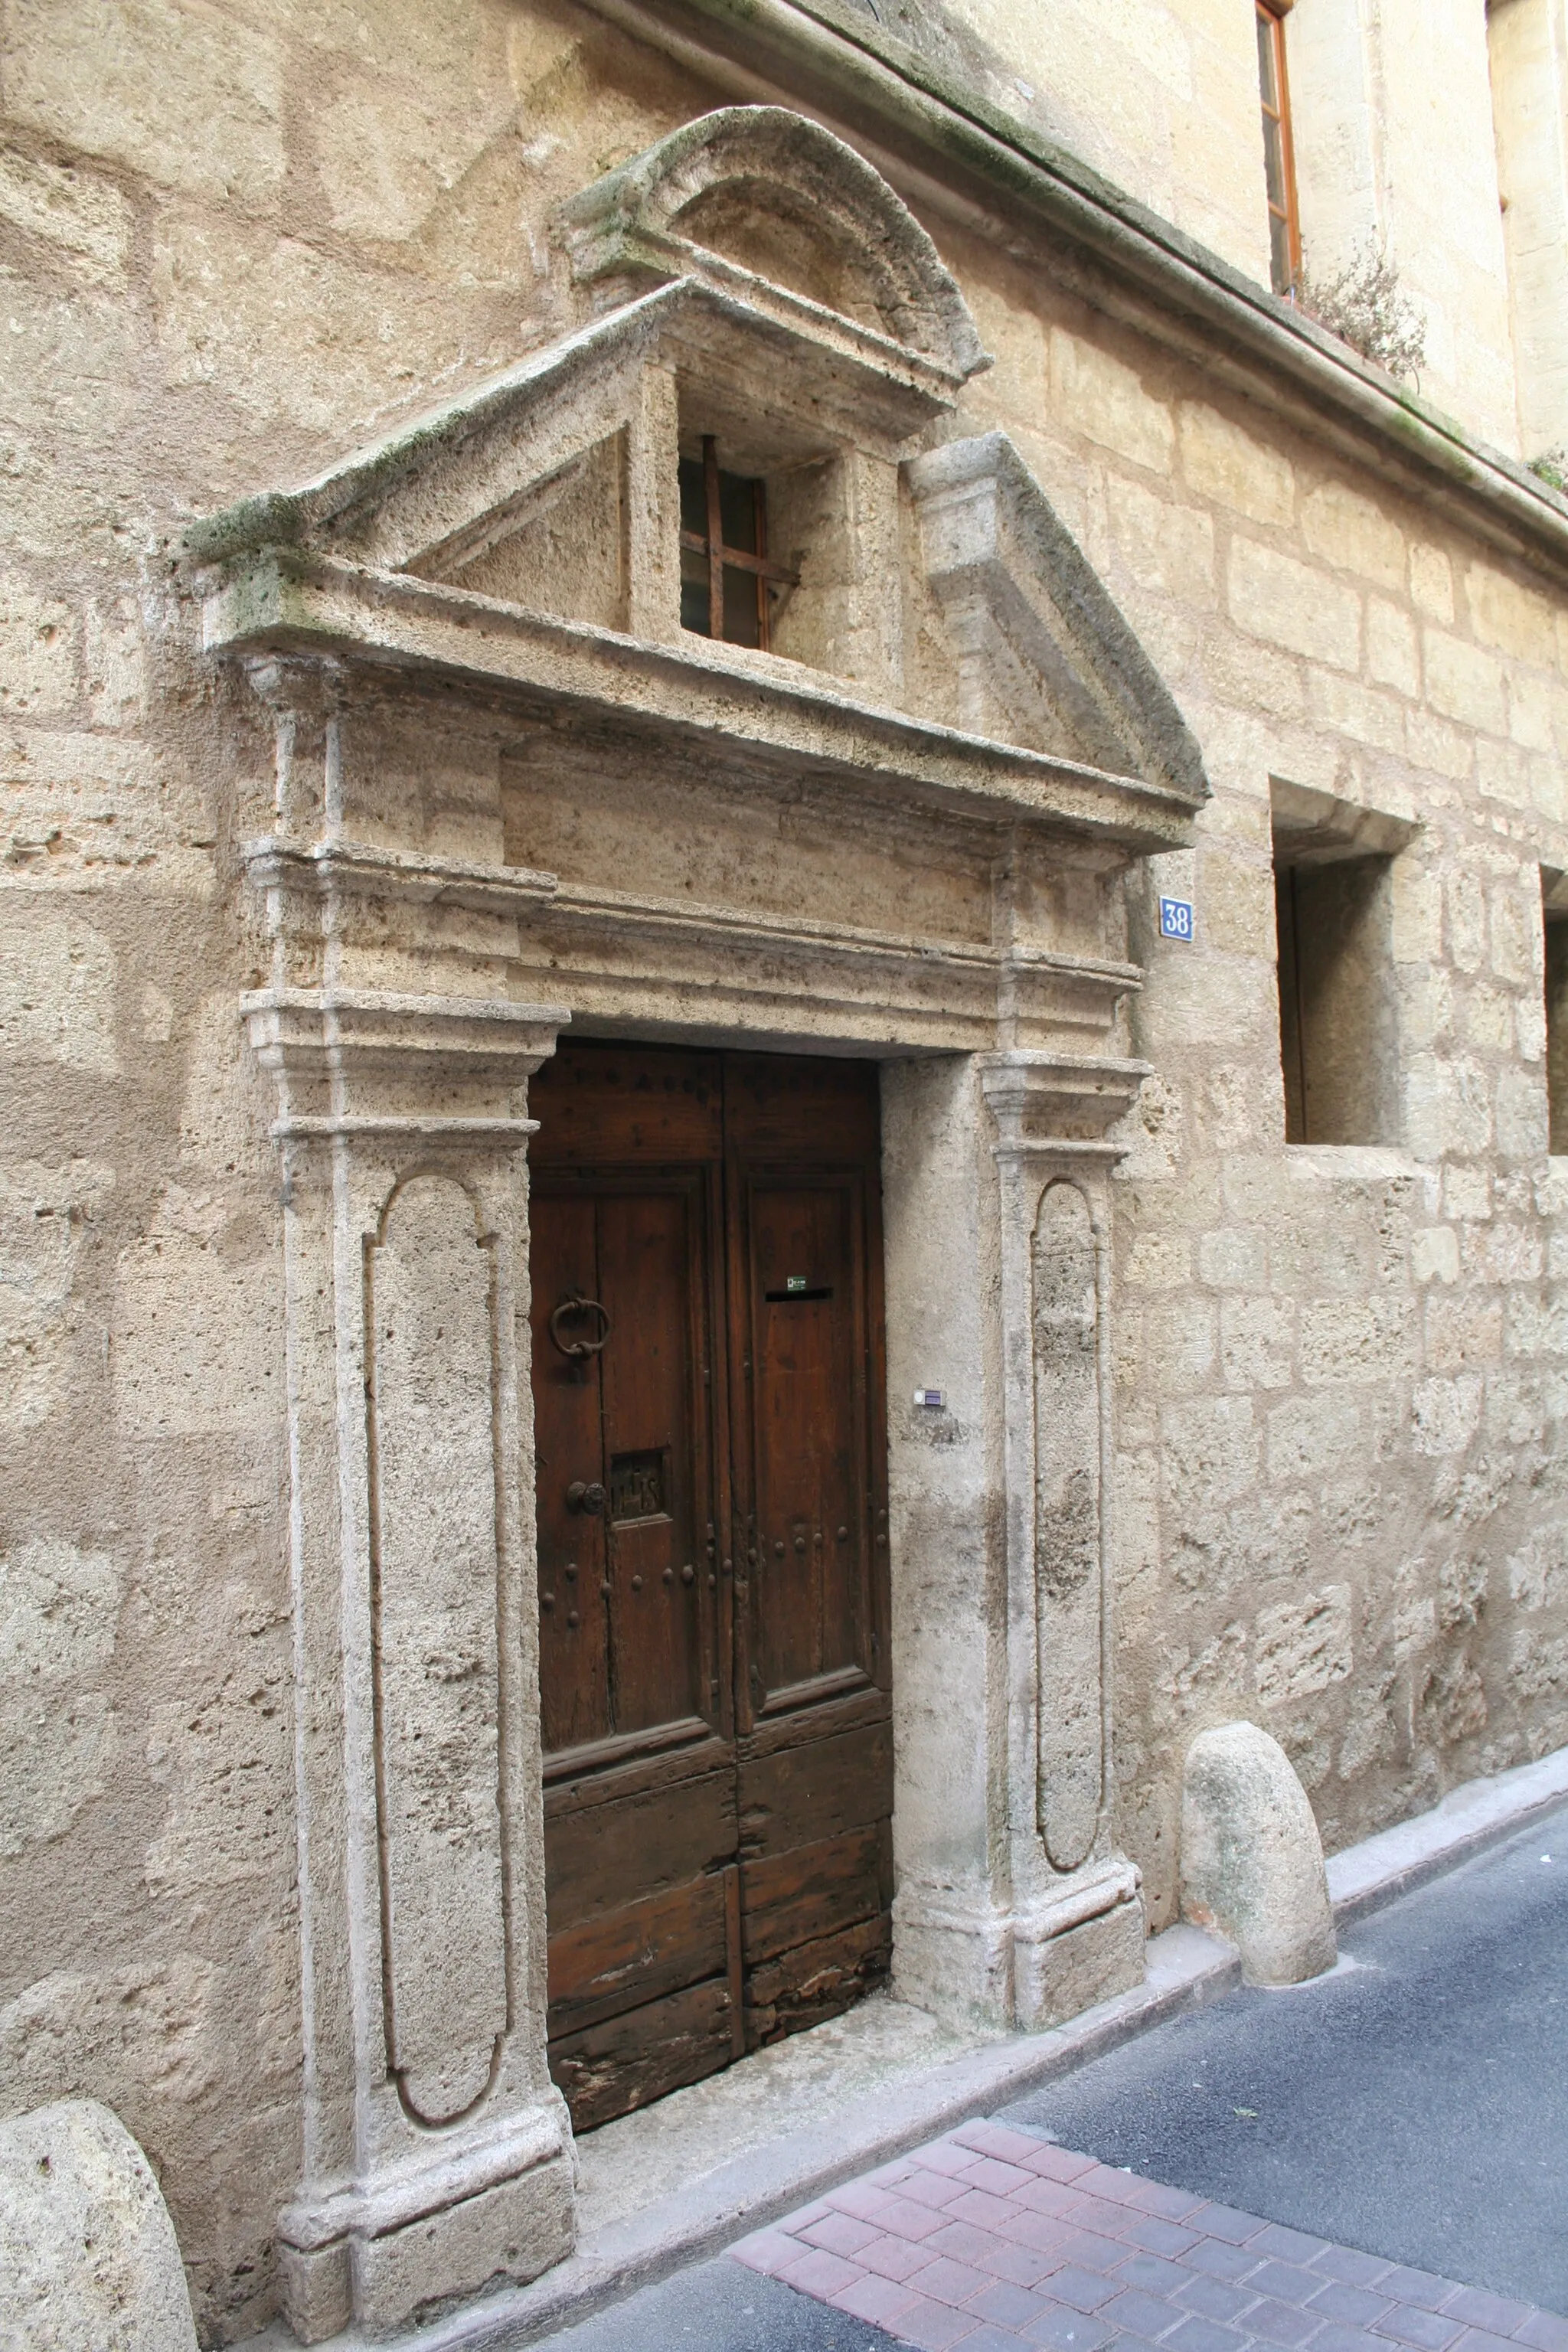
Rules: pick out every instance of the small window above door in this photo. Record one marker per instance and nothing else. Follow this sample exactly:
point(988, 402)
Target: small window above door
point(729, 583)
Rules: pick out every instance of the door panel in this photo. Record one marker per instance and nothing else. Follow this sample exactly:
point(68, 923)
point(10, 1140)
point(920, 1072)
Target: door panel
point(651, 1458)
point(648, 1829)
point(718, 1764)
point(813, 1788)
point(642, 1951)
point(609, 2070)
point(573, 1611)
point(811, 1890)
point(810, 1606)
point(809, 1982)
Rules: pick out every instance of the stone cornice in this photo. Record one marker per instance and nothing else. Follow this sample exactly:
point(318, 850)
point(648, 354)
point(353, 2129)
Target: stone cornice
point(285, 599)
point(947, 145)
point(312, 870)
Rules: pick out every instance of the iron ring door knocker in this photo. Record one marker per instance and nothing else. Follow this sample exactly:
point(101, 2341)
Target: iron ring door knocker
point(577, 1303)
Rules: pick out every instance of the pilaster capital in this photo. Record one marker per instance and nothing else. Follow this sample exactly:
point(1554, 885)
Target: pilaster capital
point(298, 686)
point(1059, 1105)
point(365, 1062)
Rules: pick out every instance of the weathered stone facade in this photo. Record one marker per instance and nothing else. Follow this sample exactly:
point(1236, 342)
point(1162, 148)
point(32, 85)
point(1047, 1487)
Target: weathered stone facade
point(324, 812)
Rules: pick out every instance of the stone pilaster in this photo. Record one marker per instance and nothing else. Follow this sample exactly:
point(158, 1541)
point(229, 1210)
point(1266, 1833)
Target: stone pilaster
point(1014, 1906)
point(436, 2151)
point(1074, 1919)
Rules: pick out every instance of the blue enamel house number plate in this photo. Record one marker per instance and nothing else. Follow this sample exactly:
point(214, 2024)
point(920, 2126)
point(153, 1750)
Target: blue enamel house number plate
point(1175, 919)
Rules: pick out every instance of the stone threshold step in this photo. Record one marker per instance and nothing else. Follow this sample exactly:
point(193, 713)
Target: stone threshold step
point(685, 2177)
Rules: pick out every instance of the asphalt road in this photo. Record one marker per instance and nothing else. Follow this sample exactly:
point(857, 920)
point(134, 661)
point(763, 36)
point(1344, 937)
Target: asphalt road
point(1414, 2104)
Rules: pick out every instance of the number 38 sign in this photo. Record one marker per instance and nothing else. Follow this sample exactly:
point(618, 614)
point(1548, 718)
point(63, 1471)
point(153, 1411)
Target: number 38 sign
point(1176, 918)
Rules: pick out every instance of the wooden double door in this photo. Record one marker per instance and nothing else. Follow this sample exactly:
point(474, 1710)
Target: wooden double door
point(712, 1557)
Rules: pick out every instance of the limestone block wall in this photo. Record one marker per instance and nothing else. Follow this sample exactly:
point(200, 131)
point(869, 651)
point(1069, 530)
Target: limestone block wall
point(236, 238)
point(1162, 96)
point(1341, 1371)
point(1429, 93)
point(1528, 44)
point(1159, 95)
point(233, 239)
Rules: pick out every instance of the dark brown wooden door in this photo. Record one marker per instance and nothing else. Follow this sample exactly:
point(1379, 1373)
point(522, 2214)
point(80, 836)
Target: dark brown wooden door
point(712, 1546)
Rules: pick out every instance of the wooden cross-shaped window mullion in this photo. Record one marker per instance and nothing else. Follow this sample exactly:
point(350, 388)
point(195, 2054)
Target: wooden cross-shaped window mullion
point(731, 505)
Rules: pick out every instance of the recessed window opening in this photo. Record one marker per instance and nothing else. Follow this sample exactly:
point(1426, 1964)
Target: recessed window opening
point(1338, 1010)
point(728, 582)
point(1554, 910)
point(1279, 147)
point(1335, 1018)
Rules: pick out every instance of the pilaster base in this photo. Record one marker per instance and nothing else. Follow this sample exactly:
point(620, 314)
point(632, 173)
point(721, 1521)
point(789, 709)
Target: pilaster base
point(967, 1960)
point(383, 2256)
point(952, 1955)
point(514, 2231)
point(1081, 1945)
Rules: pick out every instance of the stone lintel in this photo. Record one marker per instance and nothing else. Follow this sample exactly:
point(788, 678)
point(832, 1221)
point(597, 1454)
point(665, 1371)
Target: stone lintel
point(1312, 827)
point(675, 966)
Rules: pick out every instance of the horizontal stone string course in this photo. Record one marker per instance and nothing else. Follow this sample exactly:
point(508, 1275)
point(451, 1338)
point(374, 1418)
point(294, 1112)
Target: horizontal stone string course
point(992, 2237)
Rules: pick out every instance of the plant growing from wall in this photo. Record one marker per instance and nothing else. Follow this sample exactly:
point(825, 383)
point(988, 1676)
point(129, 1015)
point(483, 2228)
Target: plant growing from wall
point(1551, 468)
point(1364, 305)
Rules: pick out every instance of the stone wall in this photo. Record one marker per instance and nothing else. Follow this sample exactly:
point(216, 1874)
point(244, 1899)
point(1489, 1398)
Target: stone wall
point(1527, 41)
point(1379, 88)
point(238, 238)
point(233, 239)
point(1341, 1370)
point(1162, 96)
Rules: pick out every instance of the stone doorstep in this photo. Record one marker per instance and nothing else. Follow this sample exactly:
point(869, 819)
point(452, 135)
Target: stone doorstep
point(995, 2237)
point(872, 2104)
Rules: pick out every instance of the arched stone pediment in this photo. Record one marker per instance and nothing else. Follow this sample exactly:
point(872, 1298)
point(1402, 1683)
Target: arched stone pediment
point(763, 195)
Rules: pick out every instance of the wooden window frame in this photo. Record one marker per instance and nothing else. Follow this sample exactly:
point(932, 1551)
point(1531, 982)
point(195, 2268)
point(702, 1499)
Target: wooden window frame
point(1271, 15)
point(710, 543)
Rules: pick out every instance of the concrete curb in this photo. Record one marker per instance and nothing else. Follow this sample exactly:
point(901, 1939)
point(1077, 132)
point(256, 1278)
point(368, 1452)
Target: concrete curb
point(1186, 1969)
point(1472, 1816)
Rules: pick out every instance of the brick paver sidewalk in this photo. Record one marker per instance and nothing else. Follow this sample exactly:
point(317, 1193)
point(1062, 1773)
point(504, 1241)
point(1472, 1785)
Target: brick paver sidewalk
point(992, 2238)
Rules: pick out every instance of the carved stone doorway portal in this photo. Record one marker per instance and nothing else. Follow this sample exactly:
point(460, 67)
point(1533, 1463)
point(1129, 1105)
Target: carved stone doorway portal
point(509, 788)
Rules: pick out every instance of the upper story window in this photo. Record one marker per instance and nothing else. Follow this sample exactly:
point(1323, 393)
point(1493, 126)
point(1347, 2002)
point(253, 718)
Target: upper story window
point(1278, 154)
point(727, 582)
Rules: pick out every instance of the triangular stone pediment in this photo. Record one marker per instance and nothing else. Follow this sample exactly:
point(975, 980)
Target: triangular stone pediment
point(1044, 656)
point(399, 504)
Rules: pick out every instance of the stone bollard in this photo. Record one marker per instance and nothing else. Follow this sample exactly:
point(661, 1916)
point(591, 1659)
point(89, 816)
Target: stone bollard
point(1252, 1862)
point(89, 2259)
